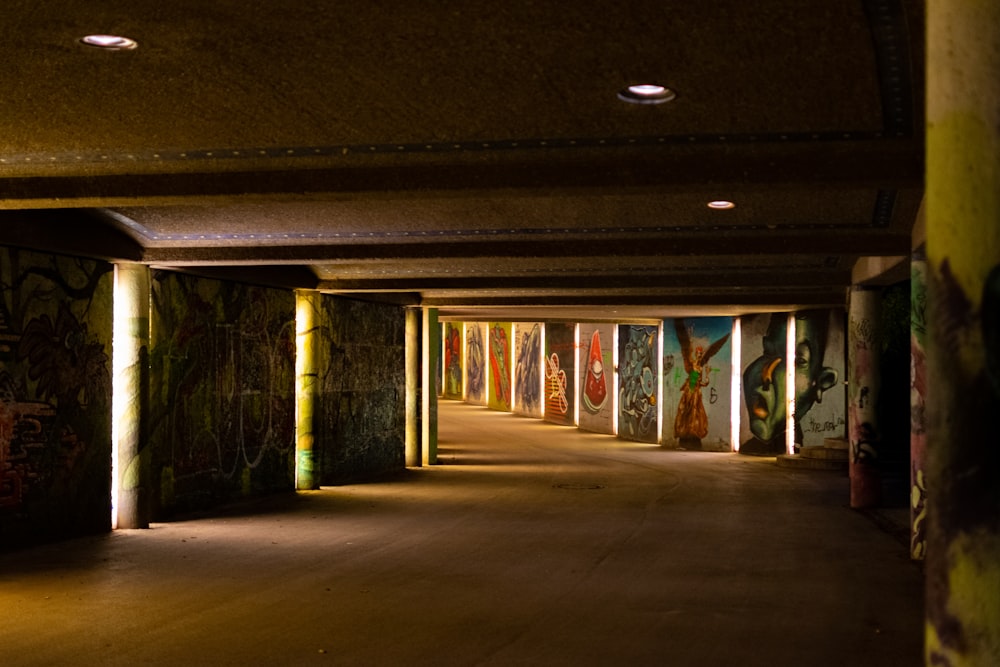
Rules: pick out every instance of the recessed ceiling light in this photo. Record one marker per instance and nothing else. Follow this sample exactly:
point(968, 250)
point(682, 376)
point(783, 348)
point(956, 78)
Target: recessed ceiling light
point(646, 93)
point(721, 204)
point(109, 42)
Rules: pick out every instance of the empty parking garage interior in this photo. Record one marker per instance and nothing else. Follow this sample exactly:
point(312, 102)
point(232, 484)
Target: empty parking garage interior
point(485, 335)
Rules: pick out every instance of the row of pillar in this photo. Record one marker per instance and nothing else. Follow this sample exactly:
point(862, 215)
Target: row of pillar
point(963, 333)
point(131, 456)
point(956, 395)
point(955, 344)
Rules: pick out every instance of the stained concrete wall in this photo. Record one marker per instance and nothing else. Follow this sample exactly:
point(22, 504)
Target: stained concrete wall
point(55, 396)
point(222, 391)
point(362, 409)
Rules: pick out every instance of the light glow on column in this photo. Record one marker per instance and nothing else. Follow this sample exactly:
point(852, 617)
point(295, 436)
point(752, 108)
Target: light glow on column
point(577, 372)
point(736, 390)
point(118, 400)
point(615, 379)
point(541, 375)
point(306, 304)
point(514, 353)
point(465, 358)
point(790, 386)
point(659, 380)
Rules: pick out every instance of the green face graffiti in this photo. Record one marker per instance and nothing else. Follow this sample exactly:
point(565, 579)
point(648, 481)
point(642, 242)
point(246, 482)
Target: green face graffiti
point(764, 386)
point(764, 389)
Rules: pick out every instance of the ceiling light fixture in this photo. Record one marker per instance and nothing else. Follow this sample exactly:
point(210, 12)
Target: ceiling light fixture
point(109, 42)
point(721, 204)
point(646, 93)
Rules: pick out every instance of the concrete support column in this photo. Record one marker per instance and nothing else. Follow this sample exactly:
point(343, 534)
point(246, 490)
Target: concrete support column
point(918, 395)
point(413, 402)
point(862, 395)
point(130, 403)
point(307, 342)
point(963, 333)
point(430, 353)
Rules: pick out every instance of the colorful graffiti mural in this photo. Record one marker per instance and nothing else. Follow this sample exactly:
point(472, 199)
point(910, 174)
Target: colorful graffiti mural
point(817, 370)
point(500, 366)
point(637, 378)
point(452, 347)
point(222, 390)
point(527, 368)
point(596, 363)
point(763, 419)
point(864, 396)
point(55, 395)
point(820, 397)
point(475, 363)
point(560, 376)
point(697, 372)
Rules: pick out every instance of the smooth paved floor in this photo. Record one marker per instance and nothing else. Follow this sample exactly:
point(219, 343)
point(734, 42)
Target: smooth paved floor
point(530, 544)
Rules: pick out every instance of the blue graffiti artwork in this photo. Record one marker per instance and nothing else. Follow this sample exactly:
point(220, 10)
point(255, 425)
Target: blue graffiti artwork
point(475, 361)
point(526, 370)
point(637, 388)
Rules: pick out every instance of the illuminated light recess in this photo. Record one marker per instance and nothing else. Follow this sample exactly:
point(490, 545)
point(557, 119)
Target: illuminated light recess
point(790, 386)
point(646, 93)
point(721, 204)
point(109, 42)
point(736, 390)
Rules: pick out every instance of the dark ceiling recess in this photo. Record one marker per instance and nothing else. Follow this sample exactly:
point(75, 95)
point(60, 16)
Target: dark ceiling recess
point(478, 160)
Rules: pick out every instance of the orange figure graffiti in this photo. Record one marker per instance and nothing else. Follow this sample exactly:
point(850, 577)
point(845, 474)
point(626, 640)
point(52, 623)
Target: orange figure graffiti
point(691, 422)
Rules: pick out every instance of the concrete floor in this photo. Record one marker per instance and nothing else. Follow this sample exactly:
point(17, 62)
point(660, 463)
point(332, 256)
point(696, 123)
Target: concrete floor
point(531, 544)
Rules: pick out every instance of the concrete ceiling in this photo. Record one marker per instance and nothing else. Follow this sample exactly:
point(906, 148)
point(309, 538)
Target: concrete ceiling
point(473, 156)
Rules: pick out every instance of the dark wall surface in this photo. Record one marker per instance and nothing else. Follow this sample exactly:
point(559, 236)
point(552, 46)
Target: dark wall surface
point(222, 391)
point(362, 406)
point(55, 396)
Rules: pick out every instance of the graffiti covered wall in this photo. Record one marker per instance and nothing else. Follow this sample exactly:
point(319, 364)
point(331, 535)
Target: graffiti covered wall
point(820, 397)
point(560, 373)
point(361, 406)
point(763, 413)
point(451, 342)
point(222, 391)
point(596, 364)
point(501, 367)
point(528, 369)
point(918, 403)
point(697, 381)
point(55, 396)
point(818, 374)
point(476, 362)
point(638, 373)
